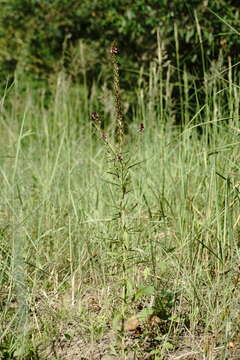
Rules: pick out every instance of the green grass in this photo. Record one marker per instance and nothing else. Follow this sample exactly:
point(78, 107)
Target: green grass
point(63, 267)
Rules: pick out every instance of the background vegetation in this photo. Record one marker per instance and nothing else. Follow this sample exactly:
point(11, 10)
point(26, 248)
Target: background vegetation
point(112, 250)
point(41, 37)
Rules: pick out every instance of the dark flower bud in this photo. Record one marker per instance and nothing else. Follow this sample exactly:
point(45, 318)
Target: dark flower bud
point(95, 117)
point(141, 127)
point(104, 136)
point(114, 50)
point(119, 158)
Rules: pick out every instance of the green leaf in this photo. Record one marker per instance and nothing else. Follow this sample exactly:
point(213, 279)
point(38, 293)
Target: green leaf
point(137, 163)
point(144, 291)
point(145, 313)
point(168, 346)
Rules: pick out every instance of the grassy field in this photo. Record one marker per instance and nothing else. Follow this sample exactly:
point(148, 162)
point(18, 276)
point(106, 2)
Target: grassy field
point(131, 252)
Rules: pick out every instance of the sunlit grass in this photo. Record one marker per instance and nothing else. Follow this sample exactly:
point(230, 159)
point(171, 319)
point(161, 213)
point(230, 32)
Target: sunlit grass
point(60, 269)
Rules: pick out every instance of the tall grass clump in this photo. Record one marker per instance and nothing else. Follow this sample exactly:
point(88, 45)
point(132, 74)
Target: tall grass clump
point(121, 240)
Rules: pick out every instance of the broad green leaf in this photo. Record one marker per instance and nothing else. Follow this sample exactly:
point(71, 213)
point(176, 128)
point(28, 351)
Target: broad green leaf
point(144, 291)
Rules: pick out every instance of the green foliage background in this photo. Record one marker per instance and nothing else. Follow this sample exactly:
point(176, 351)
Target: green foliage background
point(34, 34)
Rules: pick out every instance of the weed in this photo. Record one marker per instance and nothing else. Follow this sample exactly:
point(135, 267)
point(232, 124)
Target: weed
point(120, 167)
